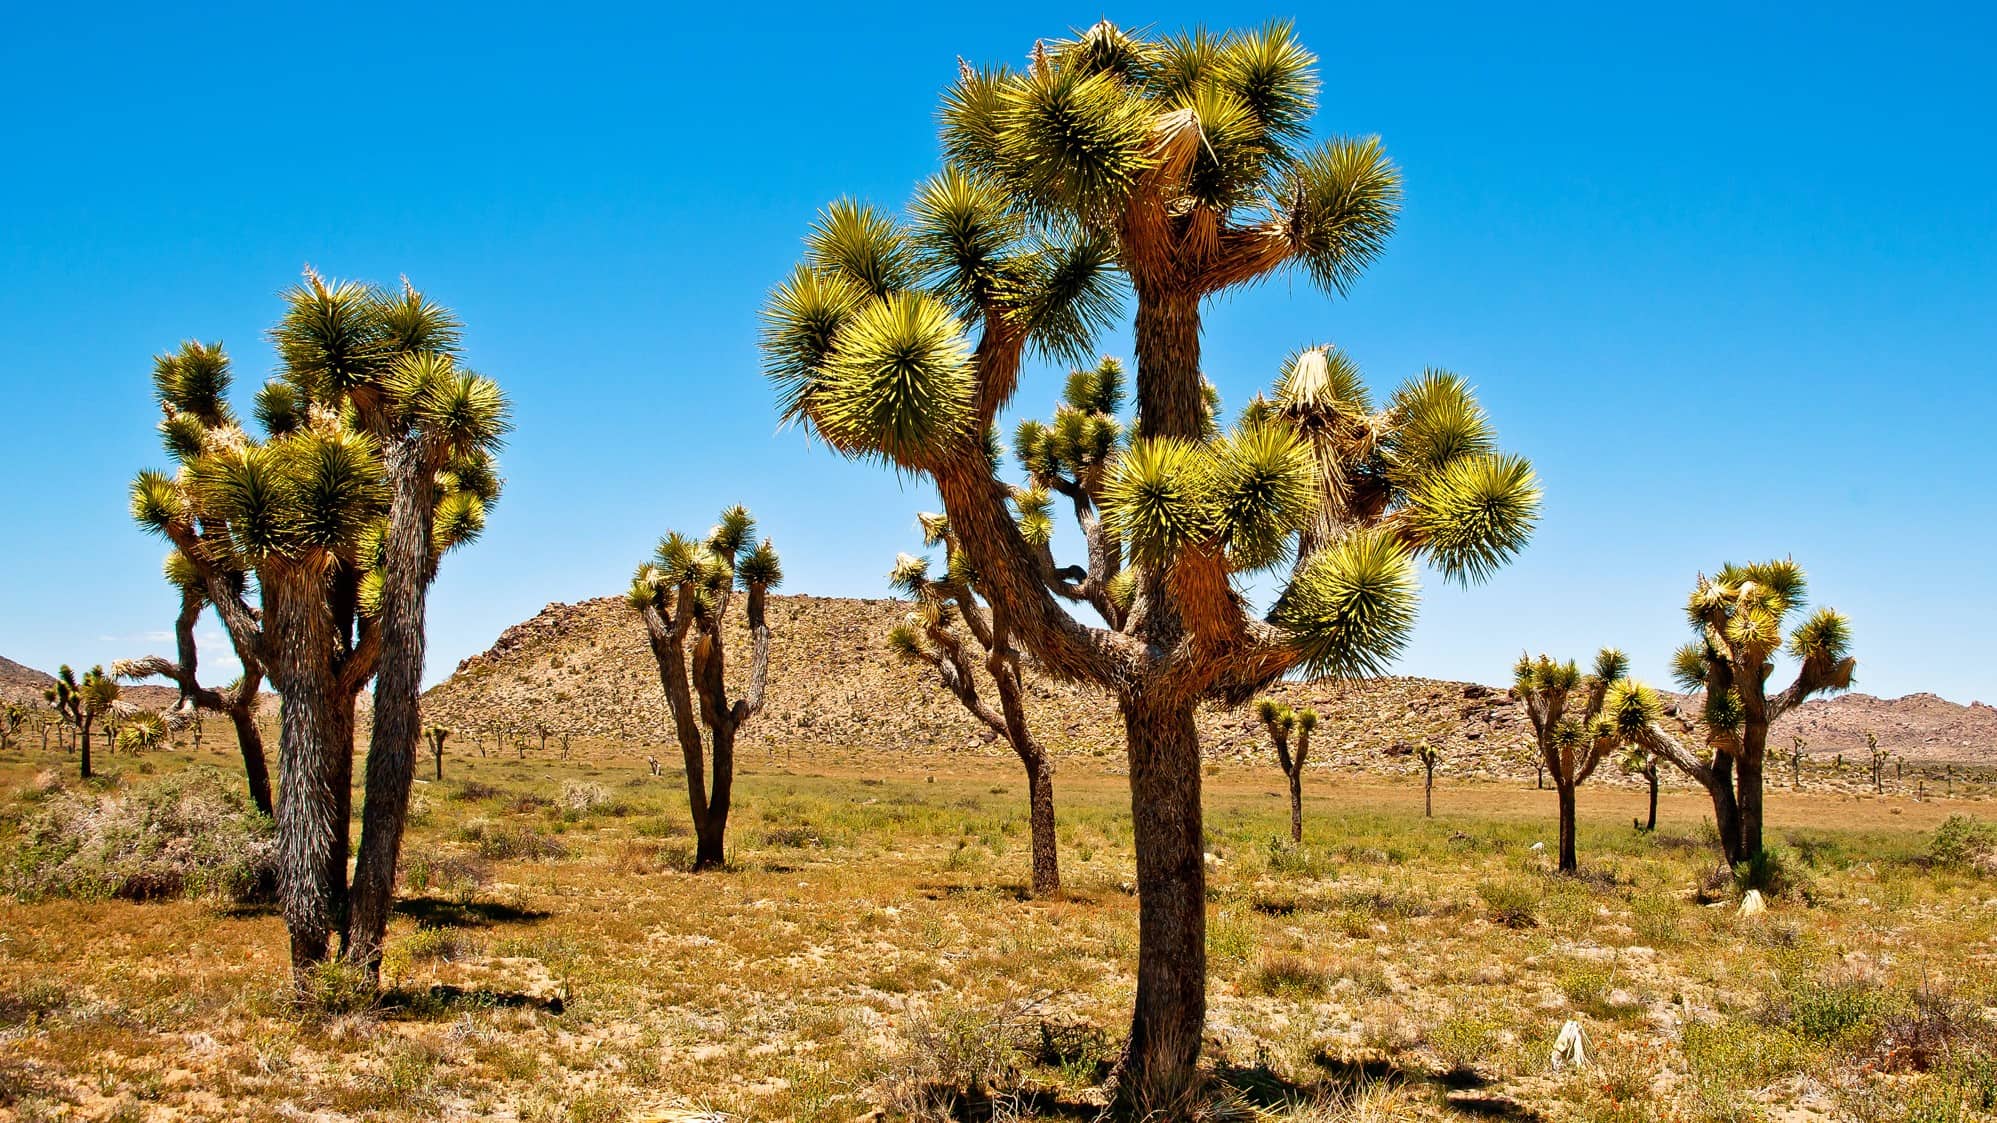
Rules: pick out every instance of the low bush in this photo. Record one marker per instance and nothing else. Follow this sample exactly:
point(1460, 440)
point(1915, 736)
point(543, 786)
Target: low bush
point(190, 834)
point(1962, 842)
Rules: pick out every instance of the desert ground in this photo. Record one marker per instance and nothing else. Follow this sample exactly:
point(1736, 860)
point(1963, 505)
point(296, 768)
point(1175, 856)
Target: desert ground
point(870, 953)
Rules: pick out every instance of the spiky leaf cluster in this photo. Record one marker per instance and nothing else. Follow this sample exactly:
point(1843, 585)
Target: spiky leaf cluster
point(702, 572)
point(1352, 608)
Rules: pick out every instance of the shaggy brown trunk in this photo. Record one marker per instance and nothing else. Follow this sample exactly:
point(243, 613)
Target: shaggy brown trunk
point(84, 741)
point(1158, 1069)
point(1296, 804)
point(398, 719)
point(256, 770)
point(314, 761)
point(1040, 814)
point(437, 749)
point(1650, 824)
point(1754, 741)
point(1726, 809)
point(1569, 863)
point(711, 828)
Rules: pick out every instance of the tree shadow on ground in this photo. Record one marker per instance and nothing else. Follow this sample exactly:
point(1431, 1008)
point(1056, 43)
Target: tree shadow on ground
point(436, 912)
point(444, 1000)
point(1464, 1091)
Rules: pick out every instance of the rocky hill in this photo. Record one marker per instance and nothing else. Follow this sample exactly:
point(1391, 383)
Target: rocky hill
point(22, 684)
point(585, 669)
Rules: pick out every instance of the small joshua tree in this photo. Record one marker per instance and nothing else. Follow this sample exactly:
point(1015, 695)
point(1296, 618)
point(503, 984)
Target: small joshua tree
point(81, 702)
point(1572, 745)
point(435, 735)
point(1282, 722)
point(1429, 754)
point(239, 699)
point(1639, 761)
point(683, 595)
point(13, 716)
point(1739, 615)
point(1796, 746)
point(1879, 758)
point(929, 636)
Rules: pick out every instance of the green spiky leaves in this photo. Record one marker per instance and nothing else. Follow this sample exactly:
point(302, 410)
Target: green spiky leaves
point(900, 383)
point(706, 568)
point(1611, 664)
point(1740, 613)
point(1341, 202)
point(801, 324)
point(1352, 609)
point(1156, 499)
point(759, 567)
point(1629, 708)
point(1263, 487)
point(1475, 514)
point(1072, 140)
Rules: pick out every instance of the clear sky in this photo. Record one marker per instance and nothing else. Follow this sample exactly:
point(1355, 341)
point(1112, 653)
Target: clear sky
point(1728, 274)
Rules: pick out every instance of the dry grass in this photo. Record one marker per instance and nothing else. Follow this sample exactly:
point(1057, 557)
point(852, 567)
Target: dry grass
point(870, 950)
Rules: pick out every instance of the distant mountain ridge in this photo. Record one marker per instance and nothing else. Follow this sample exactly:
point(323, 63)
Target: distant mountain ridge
point(585, 669)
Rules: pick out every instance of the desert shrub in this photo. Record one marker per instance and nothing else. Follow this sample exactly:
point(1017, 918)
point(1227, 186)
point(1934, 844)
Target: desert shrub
point(1838, 1010)
point(190, 834)
point(1961, 840)
point(504, 843)
point(1737, 1053)
point(1509, 903)
point(1464, 1041)
point(458, 877)
point(1774, 872)
point(445, 945)
point(955, 1060)
point(471, 791)
point(1287, 973)
point(583, 797)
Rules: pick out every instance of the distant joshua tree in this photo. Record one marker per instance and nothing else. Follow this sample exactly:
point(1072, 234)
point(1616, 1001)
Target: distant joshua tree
point(1739, 614)
point(81, 702)
point(1282, 723)
point(1573, 745)
point(436, 735)
point(1639, 761)
point(13, 716)
point(683, 594)
point(1879, 758)
point(929, 636)
point(1429, 754)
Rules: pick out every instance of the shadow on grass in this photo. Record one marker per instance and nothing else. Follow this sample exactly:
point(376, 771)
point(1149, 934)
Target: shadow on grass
point(435, 912)
point(1465, 1092)
point(444, 1000)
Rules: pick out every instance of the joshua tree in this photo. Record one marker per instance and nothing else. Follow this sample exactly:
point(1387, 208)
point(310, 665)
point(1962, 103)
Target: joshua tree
point(80, 702)
point(1572, 745)
point(436, 735)
point(1429, 754)
point(1739, 614)
point(1879, 758)
point(1796, 746)
point(1182, 162)
point(1281, 721)
point(375, 461)
point(683, 595)
point(1639, 761)
point(239, 699)
point(13, 716)
point(929, 636)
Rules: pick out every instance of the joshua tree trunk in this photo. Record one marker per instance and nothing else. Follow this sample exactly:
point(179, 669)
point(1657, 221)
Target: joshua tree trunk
point(1040, 816)
point(1748, 768)
point(256, 770)
point(1296, 804)
point(1569, 863)
point(83, 742)
point(1650, 774)
point(711, 827)
point(398, 720)
point(1163, 743)
point(1428, 791)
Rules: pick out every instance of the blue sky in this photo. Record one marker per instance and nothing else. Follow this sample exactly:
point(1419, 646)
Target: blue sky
point(1727, 274)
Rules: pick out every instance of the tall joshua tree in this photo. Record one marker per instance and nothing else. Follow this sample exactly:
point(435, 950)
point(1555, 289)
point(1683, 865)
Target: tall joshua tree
point(1572, 745)
point(375, 459)
point(1282, 723)
point(683, 595)
point(929, 636)
point(1739, 615)
point(238, 700)
point(1181, 162)
point(1639, 761)
point(436, 735)
point(81, 702)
